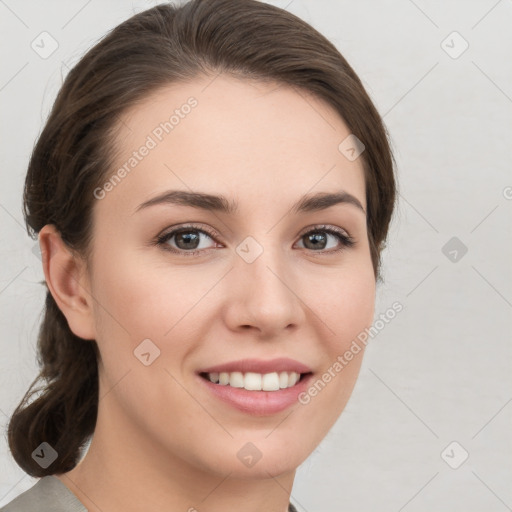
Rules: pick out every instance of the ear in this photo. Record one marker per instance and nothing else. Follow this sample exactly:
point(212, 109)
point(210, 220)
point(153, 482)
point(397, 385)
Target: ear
point(66, 277)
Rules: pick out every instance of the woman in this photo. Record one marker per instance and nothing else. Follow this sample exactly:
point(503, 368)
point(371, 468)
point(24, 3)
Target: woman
point(206, 373)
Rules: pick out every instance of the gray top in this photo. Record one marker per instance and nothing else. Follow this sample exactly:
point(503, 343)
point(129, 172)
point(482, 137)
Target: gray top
point(49, 494)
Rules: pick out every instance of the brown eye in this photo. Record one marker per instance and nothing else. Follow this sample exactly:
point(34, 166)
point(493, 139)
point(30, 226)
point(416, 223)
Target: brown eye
point(317, 239)
point(191, 240)
point(186, 240)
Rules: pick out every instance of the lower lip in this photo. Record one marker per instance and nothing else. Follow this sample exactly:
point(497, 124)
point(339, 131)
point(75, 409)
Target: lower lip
point(258, 403)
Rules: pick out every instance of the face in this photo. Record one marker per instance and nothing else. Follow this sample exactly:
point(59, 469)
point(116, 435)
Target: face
point(259, 287)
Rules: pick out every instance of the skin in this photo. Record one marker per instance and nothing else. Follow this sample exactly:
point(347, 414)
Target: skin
point(264, 145)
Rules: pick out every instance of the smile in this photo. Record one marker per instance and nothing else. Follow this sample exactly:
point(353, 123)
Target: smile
point(251, 381)
point(256, 402)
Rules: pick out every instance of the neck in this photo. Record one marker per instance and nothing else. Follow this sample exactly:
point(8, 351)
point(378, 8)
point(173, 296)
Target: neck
point(124, 471)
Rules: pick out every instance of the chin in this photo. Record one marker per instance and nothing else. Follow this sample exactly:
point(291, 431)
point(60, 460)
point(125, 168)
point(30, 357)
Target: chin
point(254, 457)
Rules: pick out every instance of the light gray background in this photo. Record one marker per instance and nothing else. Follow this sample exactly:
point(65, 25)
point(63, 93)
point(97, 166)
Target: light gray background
point(440, 371)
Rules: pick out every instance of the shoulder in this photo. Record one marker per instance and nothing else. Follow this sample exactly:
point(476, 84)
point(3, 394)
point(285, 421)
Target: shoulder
point(49, 494)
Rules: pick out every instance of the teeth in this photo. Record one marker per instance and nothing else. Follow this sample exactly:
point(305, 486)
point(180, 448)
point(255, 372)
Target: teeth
point(236, 379)
point(256, 381)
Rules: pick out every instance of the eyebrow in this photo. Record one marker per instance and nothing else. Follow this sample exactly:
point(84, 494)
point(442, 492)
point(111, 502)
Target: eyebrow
point(219, 203)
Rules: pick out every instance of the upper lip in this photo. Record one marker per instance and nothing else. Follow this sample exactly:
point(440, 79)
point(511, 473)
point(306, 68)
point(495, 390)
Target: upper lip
point(281, 364)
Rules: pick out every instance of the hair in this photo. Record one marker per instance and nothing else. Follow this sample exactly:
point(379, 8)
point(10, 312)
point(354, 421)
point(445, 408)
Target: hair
point(73, 154)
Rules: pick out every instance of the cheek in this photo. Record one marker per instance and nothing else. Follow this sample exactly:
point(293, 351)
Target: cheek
point(134, 304)
point(130, 306)
point(134, 298)
point(346, 306)
point(139, 301)
point(346, 309)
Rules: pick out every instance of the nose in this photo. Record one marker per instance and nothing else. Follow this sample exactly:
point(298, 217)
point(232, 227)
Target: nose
point(264, 293)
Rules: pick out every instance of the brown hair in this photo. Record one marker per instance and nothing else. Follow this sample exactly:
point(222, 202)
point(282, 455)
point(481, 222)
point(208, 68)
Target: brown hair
point(73, 155)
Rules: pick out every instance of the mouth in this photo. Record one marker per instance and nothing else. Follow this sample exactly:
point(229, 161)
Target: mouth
point(252, 381)
point(255, 386)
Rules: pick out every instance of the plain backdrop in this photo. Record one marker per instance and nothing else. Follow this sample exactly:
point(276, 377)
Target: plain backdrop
point(435, 386)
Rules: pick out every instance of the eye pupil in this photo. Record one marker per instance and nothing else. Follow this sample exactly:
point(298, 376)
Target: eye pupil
point(316, 239)
point(187, 236)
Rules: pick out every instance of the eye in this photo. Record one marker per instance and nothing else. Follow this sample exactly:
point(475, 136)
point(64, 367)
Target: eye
point(317, 239)
point(186, 240)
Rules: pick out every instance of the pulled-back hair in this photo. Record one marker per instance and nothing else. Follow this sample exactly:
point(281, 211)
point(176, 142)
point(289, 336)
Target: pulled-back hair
point(73, 156)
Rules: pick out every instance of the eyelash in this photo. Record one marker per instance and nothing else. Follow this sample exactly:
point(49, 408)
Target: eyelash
point(346, 240)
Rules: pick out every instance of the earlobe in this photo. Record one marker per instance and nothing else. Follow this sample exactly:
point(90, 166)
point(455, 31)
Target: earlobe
point(65, 276)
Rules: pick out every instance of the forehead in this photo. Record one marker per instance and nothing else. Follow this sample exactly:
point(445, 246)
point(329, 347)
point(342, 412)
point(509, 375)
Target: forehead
point(259, 141)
